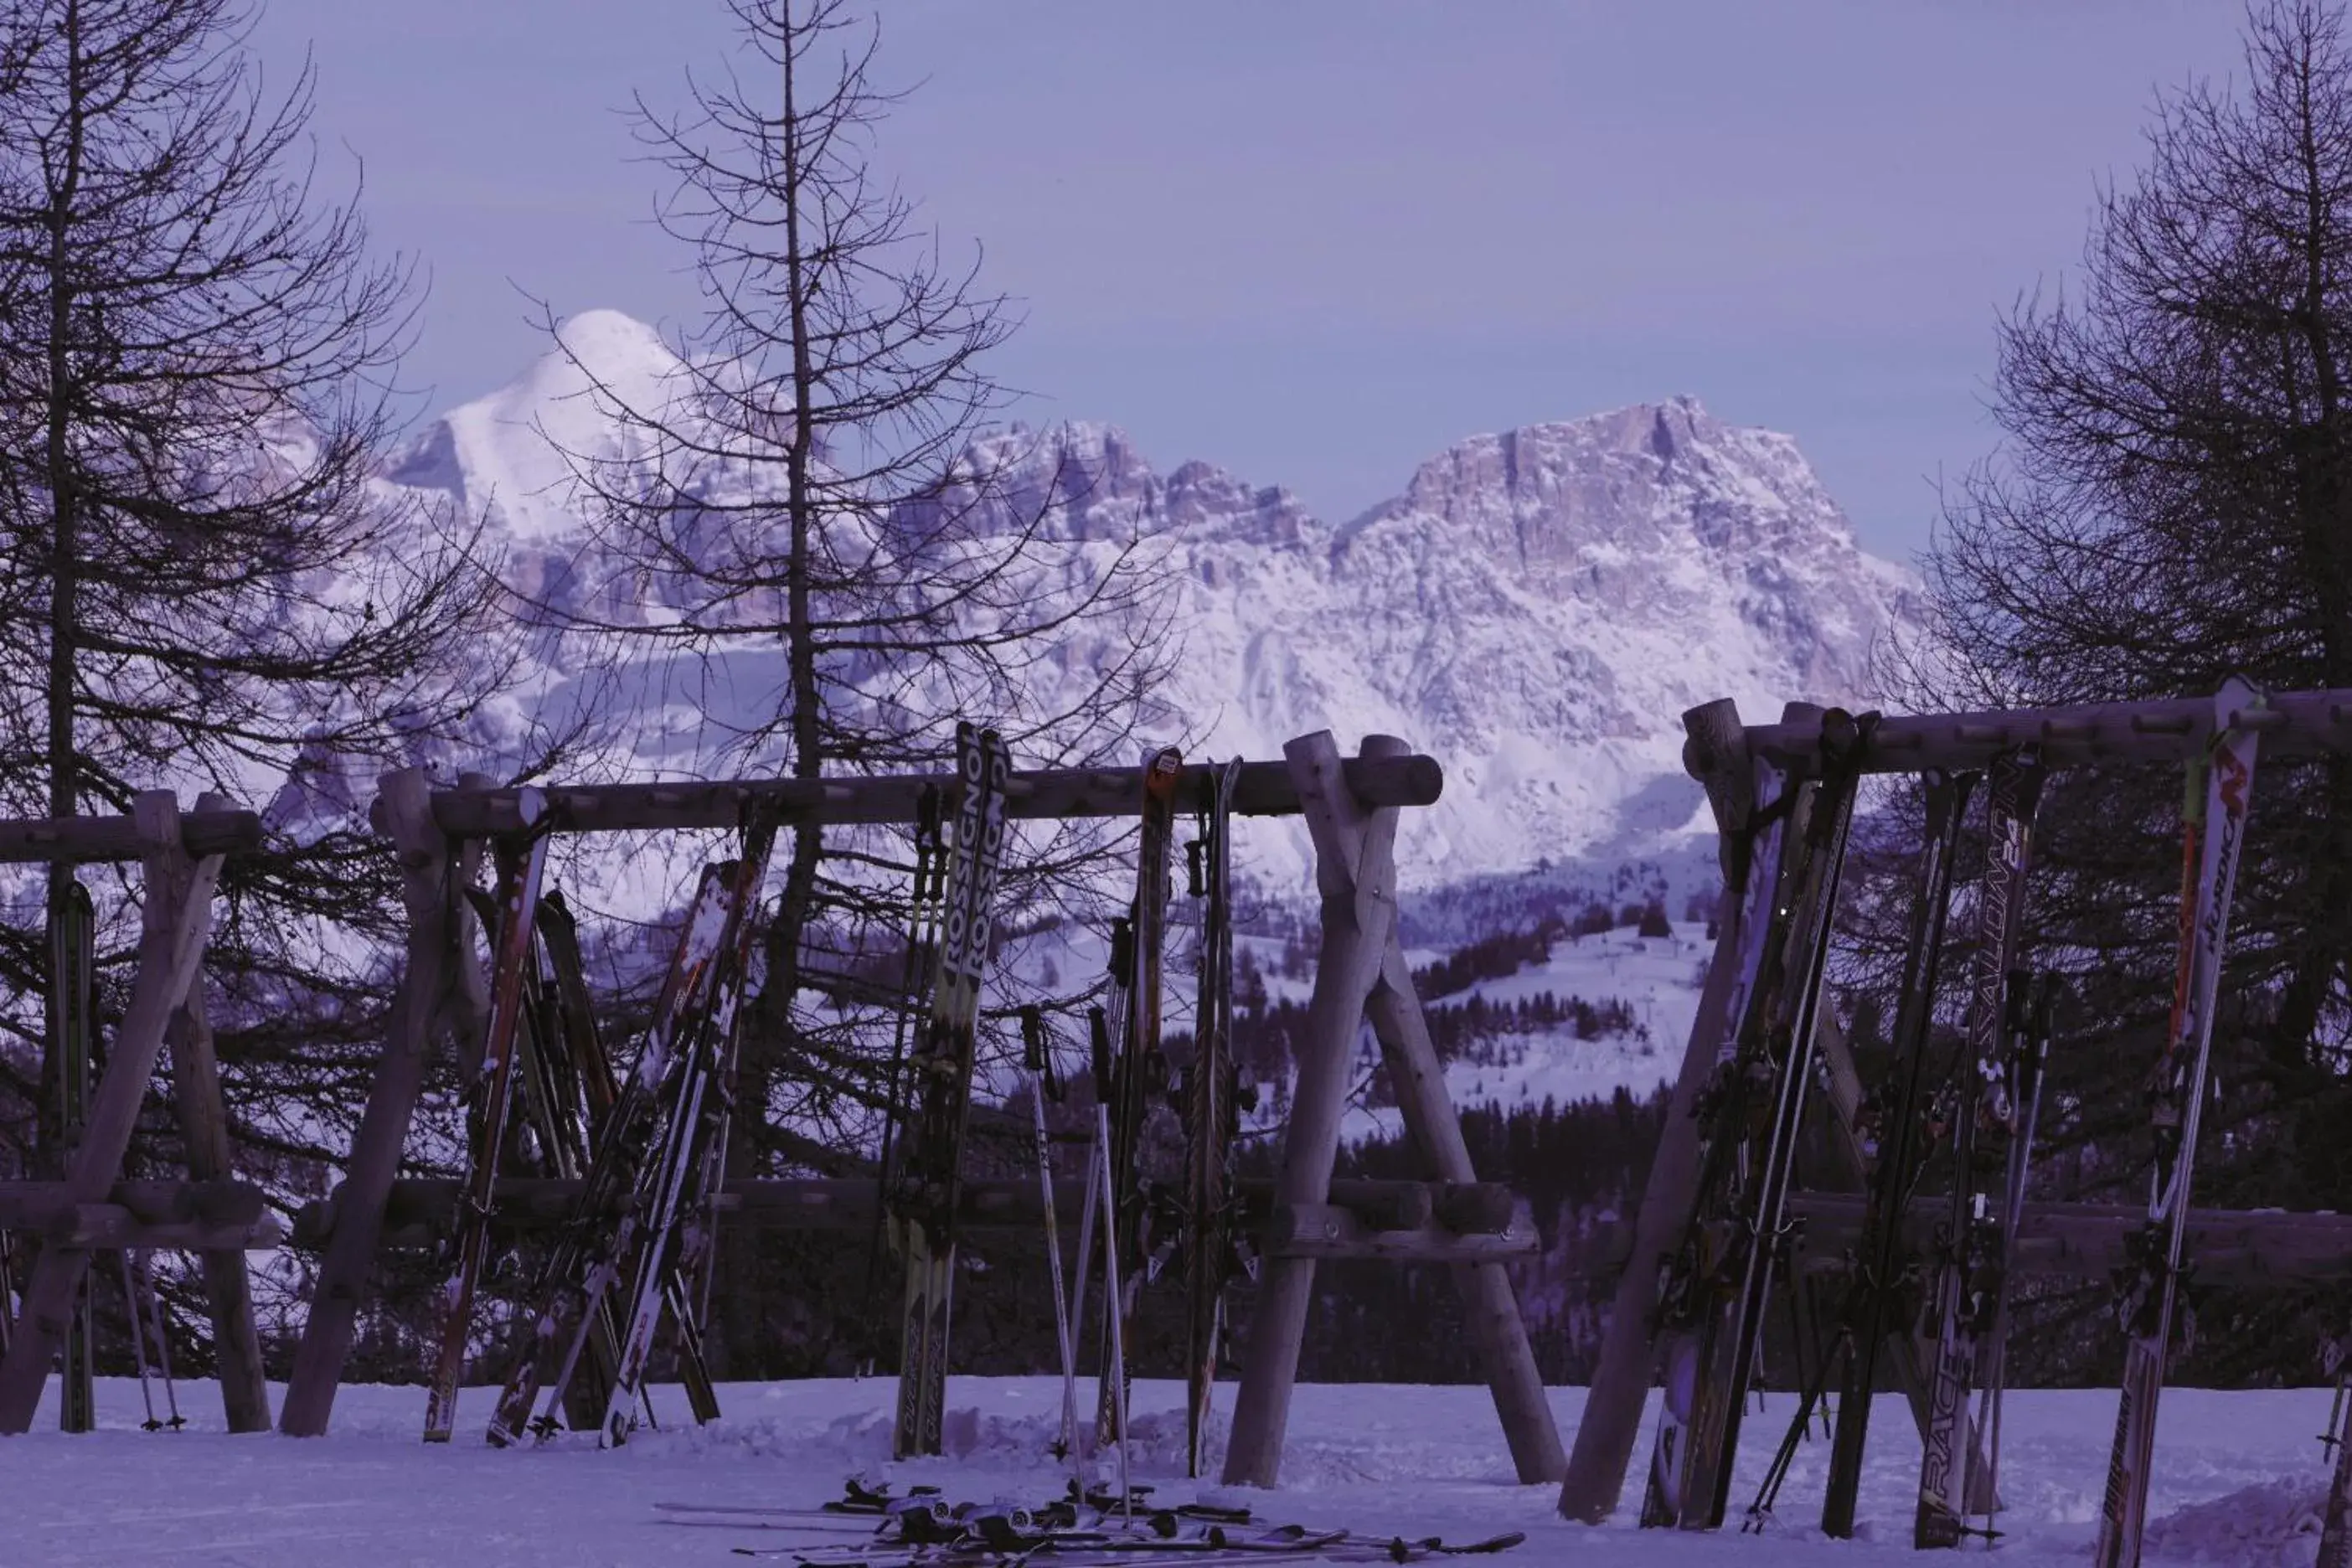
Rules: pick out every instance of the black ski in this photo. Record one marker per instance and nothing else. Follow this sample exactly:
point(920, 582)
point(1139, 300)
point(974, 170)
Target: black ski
point(1213, 1119)
point(1773, 1077)
point(1873, 1311)
point(673, 1203)
point(1960, 1300)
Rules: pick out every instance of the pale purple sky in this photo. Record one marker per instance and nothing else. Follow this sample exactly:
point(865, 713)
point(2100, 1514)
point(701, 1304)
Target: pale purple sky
point(1315, 242)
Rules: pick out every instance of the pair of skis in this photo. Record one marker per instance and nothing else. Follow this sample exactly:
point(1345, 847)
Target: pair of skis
point(927, 1180)
point(623, 1260)
point(2219, 794)
point(1869, 1316)
point(1991, 1117)
point(1213, 1093)
point(1130, 1065)
point(1721, 1278)
point(1994, 1116)
point(521, 867)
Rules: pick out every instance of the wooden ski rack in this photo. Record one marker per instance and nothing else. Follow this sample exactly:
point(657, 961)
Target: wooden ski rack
point(2065, 1239)
point(1351, 805)
point(93, 1208)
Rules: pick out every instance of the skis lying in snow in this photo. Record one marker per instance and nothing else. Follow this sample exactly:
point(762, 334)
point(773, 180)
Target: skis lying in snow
point(1102, 1549)
point(1081, 1528)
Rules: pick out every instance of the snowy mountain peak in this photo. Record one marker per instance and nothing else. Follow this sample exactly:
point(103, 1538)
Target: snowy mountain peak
point(513, 454)
point(1536, 608)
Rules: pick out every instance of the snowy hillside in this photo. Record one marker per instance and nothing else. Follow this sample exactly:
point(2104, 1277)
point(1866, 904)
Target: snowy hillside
point(1536, 609)
point(1654, 979)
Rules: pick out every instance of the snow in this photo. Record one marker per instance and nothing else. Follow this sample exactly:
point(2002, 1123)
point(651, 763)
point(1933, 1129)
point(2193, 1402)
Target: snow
point(2238, 1478)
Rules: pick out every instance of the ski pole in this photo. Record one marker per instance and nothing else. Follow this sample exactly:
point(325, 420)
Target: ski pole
point(1117, 1370)
point(1086, 1208)
point(2328, 1439)
point(1033, 1031)
point(138, 1342)
point(162, 1337)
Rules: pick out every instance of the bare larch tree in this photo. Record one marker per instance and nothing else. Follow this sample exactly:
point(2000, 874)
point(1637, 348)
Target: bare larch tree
point(814, 481)
point(2173, 502)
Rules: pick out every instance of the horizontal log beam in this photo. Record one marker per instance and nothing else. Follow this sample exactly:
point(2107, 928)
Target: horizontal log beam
point(44, 1205)
point(94, 1227)
point(2086, 1241)
point(1327, 1231)
point(87, 838)
point(419, 1210)
point(2301, 723)
point(1265, 790)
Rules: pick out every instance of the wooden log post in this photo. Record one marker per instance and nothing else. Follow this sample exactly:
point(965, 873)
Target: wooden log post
point(1716, 754)
point(1431, 1122)
point(404, 811)
point(1358, 908)
point(466, 1000)
point(171, 951)
point(203, 1131)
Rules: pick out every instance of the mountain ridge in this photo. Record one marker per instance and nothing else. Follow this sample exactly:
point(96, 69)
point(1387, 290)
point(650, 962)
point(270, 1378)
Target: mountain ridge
point(1536, 606)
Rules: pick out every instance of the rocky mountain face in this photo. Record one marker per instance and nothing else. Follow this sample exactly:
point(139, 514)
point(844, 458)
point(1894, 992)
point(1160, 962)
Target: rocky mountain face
point(1536, 608)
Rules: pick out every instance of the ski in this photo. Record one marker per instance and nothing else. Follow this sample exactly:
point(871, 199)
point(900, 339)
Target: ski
point(568, 1087)
point(930, 1176)
point(1960, 1298)
point(1076, 1548)
point(2335, 1519)
point(925, 896)
point(1772, 1076)
point(1039, 1059)
point(1753, 900)
point(1213, 1112)
point(72, 1030)
point(520, 866)
point(675, 1209)
point(1289, 1543)
point(575, 1284)
point(1873, 1313)
point(1137, 1061)
point(2028, 1033)
point(2215, 810)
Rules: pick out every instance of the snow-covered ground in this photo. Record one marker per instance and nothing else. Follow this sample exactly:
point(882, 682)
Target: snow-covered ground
point(2238, 1479)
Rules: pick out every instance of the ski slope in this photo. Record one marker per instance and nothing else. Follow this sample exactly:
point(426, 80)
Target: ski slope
point(2238, 1479)
point(1656, 977)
